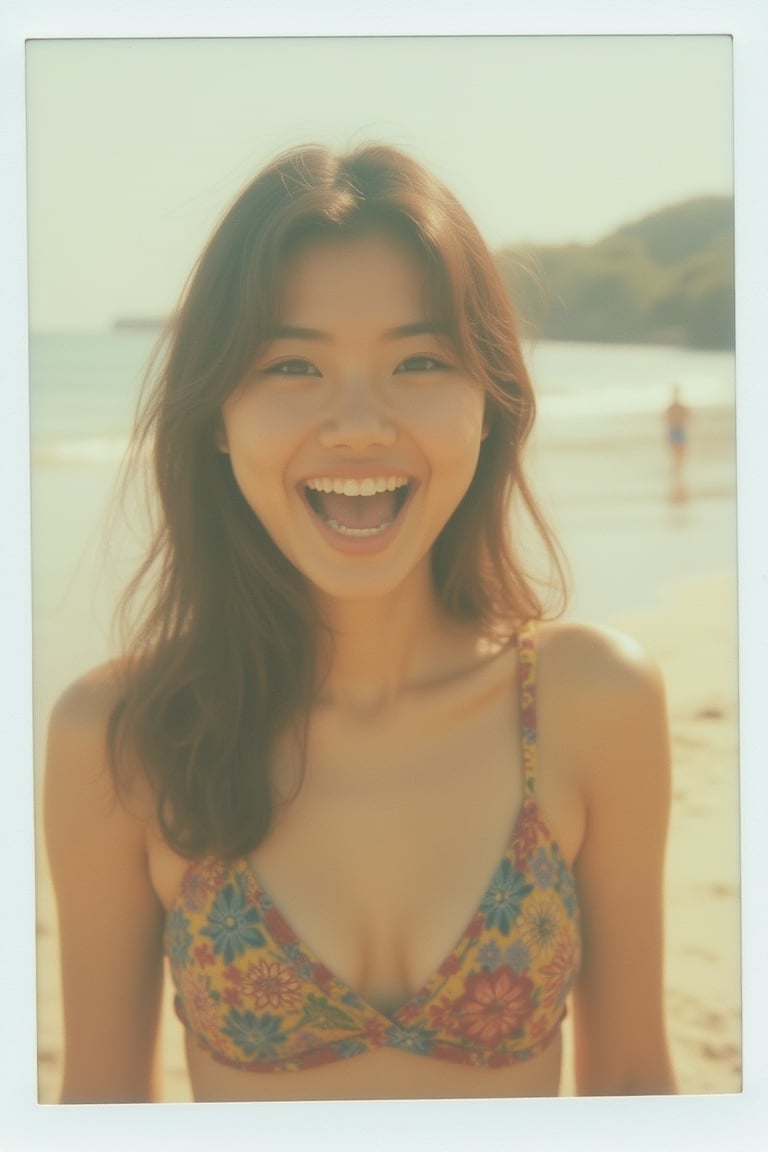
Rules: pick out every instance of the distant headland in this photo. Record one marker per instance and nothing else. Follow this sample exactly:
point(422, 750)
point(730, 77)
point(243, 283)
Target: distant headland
point(667, 278)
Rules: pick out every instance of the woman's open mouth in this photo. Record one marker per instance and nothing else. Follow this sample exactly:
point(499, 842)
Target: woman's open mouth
point(358, 508)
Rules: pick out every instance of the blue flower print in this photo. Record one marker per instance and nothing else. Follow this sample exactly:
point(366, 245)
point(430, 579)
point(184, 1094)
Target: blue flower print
point(528, 736)
point(517, 956)
point(350, 1048)
point(489, 955)
point(232, 924)
point(566, 887)
point(543, 869)
point(301, 966)
point(257, 1036)
point(178, 938)
point(506, 892)
point(419, 1042)
point(570, 901)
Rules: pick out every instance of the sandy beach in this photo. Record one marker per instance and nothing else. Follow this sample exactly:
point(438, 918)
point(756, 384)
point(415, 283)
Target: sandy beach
point(664, 572)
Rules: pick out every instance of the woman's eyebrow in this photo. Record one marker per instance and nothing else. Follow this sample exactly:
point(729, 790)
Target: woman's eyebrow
point(293, 332)
point(418, 328)
point(399, 332)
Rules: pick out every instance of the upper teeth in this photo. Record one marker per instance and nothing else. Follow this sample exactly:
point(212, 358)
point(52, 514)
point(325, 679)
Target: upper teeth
point(367, 487)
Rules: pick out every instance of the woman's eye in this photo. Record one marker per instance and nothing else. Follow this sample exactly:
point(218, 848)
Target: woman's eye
point(421, 364)
point(292, 368)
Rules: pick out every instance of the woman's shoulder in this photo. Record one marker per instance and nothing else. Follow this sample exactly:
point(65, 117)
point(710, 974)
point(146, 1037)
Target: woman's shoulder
point(79, 743)
point(605, 695)
point(592, 659)
point(85, 706)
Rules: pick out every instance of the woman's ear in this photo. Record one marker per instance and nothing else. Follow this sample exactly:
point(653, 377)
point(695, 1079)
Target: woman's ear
point(220, 438)
point(489, 412)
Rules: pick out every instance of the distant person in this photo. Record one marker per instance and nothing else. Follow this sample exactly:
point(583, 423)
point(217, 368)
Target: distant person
point(318, 781)
point(677, 418)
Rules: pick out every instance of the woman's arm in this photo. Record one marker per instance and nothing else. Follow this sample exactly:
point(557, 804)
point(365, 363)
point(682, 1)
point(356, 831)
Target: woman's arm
point(110, 920)
point(623, 765)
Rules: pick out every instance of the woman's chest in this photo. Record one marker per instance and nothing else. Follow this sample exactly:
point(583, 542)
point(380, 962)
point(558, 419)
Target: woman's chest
point(380, 860)
point(381, 857)
point(385, 837)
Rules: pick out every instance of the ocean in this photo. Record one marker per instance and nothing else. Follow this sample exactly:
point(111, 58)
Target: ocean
point(84, 387)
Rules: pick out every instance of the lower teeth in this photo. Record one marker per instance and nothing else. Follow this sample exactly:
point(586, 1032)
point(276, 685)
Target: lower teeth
point(345, 530)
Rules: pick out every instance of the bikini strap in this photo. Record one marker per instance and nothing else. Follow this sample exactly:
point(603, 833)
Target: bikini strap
point(526, 662)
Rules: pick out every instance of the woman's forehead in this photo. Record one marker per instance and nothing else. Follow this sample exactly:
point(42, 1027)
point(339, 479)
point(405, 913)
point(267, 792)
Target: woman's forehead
point(370, 273)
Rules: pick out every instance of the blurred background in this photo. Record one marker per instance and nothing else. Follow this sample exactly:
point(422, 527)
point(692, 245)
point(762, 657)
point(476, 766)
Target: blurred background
point(599, 170)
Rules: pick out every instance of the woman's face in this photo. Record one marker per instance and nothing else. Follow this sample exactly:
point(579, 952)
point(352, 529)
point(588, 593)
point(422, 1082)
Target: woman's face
point(355, 432)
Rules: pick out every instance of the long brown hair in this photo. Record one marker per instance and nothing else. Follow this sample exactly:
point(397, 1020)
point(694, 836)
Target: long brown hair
point(223, 637)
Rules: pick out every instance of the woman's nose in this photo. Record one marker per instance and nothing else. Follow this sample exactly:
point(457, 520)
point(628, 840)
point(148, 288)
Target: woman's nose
point(357, 419)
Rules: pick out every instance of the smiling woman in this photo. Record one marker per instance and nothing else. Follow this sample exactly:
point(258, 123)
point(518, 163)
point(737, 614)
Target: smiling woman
point(356, 431)
point(384, 822)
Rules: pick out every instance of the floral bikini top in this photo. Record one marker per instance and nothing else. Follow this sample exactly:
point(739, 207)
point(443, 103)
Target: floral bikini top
point(254, 996)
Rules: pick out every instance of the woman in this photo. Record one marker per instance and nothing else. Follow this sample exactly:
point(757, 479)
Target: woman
point(382, 819)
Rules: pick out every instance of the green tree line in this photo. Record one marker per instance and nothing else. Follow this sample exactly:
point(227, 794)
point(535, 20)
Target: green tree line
point(665, 279)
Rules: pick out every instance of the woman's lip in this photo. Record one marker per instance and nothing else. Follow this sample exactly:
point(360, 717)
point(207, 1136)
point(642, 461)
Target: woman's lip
point(408, 480)
point(352, 486)
point(369, 472)
point(365, 543)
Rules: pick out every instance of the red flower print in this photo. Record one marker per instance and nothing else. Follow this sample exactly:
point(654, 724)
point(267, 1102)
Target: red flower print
point(450, 965)
point(495, 1004)
point(232, 996)
point(271, 985)
point(442, 1016)
point(323, 978)
point(375, 1031)
point(475, 926)
point(194, 890)
point(204, 955)
point(529, 831)
point(200, 1006)
point(233, 975)
point(202, 880)
point(559, 973)
point(278, 929)
point(409, 1012)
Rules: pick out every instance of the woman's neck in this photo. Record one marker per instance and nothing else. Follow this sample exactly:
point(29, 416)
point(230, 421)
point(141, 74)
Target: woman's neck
point(386, 646)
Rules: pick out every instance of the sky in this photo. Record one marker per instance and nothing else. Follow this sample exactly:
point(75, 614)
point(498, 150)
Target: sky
point(135, 147)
